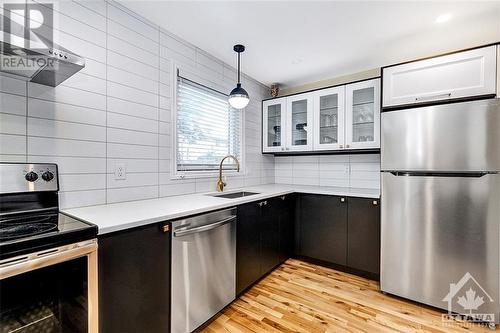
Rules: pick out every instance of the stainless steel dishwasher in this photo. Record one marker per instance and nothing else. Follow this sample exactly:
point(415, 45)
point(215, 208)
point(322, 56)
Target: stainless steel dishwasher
point(203, 268)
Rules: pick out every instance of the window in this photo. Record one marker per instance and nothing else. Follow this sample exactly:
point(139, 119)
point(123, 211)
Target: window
point(207, 129)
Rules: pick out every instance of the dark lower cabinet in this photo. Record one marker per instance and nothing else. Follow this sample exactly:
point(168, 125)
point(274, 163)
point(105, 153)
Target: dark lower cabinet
point(363, 237)
point(343, 231)
point(269, 235)
point(286, 204)
point(322, 227)
point(264, 238)
point(247, 246)
point(134, 280)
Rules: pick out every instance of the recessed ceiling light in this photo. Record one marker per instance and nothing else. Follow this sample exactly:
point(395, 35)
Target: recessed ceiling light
point(443, 18)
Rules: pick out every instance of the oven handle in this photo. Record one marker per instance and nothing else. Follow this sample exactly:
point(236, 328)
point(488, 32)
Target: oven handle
point(29, 262)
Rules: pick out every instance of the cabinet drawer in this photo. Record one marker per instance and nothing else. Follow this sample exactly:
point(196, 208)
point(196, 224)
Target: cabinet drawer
point(459, 75)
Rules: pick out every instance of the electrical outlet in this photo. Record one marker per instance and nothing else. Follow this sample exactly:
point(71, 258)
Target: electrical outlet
point(120, 171)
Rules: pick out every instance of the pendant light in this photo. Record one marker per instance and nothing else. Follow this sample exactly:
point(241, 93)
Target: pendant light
point(238, 98)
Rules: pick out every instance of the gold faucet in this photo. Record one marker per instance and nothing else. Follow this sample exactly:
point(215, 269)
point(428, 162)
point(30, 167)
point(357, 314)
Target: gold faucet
point(220, 183)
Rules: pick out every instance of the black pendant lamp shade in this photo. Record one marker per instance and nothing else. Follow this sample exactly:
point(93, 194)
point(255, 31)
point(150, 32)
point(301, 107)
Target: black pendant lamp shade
point(238, 98)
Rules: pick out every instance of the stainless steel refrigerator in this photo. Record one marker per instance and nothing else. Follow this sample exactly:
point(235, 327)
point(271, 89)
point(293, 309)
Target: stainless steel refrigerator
point(441, 201)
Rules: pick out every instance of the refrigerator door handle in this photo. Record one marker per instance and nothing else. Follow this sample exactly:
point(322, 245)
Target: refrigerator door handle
point(440, 174)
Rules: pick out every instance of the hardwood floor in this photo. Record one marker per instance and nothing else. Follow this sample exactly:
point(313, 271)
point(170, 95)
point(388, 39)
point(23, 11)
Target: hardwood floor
point(301, 297)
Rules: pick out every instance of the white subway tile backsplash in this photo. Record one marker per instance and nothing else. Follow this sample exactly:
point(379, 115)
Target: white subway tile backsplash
point(63, 147)
point(122, 62)
point(64, 94)
point(12, 144)
point(132, 22)
point(12, 104)
point(120, 150)
point(133, 180)
point(73, 165)
point(81, 47)
point(65, 130)
point(132, 94)
point(82, 182)
point(82, 198)
point(132, 193)
point(179, 47)
point(58, 111)
point(96, 6)
point(329, 170)
point(86, 82)
point(132, 123)
point(122, 32)
point(133, 165)
point(116, 135)
point(177, 189)
point(12, 86)
point(12, 124)
point(117, 105)
point(129, 50)
point(132, 80)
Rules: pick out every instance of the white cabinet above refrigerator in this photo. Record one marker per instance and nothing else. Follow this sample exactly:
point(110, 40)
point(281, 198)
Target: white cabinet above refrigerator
point(459, 75)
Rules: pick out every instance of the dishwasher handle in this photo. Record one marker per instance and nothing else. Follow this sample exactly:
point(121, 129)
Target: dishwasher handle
point(206, 227)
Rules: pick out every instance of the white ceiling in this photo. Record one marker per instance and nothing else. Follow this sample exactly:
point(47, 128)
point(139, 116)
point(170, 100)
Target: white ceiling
point(297, 42)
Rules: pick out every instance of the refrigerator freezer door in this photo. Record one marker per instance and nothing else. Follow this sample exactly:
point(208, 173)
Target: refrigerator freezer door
point(453, 137)
point(434, 231)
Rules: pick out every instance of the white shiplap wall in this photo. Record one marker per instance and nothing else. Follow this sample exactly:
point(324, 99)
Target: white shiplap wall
point(362, 171)
point(117, 109)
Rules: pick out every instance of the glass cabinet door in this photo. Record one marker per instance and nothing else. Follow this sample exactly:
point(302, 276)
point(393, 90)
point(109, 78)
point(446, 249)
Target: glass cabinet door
point(299, 122)
point(363, 114)
point(329, 119)
point(273, 121)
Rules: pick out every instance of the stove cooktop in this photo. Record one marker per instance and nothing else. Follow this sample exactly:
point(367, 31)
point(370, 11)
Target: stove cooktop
point(33, 232)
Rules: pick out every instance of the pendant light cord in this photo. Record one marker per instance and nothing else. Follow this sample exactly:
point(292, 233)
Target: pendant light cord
point(239, 67)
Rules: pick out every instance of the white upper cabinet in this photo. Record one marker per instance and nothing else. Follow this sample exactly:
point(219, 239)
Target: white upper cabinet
point(498, 70)
point(273, 124)
point(299, 123)
point(362, 115)
point(328, 119)
point(459, 75)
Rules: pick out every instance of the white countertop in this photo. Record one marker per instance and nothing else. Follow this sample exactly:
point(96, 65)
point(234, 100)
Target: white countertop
point(125, 215)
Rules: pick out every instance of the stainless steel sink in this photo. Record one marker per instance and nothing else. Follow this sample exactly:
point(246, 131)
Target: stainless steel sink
point(234, 195)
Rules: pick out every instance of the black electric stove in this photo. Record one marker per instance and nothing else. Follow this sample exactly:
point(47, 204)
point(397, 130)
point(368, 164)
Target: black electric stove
point(29, 211)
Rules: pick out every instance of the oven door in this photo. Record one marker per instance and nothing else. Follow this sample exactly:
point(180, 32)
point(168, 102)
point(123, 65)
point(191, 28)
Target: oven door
point(53, 290)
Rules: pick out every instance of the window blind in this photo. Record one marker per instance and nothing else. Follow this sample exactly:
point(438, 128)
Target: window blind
point(207, 128)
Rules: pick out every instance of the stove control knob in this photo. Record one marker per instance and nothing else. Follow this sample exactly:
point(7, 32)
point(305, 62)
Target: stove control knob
point(47, 176)
point(31, 176)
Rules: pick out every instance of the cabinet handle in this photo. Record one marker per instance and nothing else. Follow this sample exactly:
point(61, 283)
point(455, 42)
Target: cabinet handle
point(287, 148)
point(282, 149)
point(166, 228)
point(341, 146)
point(342, 199)
point(347, 146)
point(375, 202)
point(424, 98)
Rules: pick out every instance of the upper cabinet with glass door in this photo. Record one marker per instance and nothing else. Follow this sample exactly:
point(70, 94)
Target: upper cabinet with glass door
point(362, 115)
point(299, 121)
point(273, 123)
point(328, 130)
point(332, 119)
